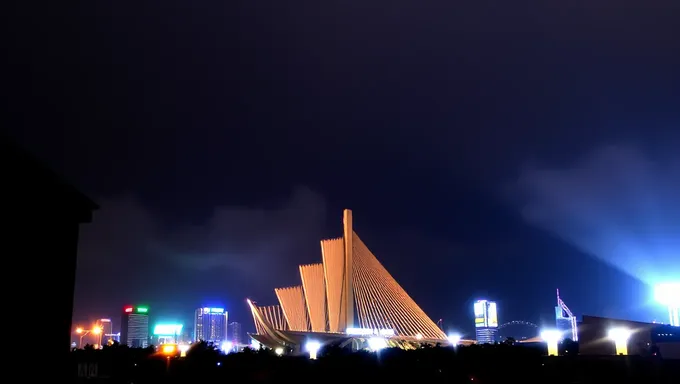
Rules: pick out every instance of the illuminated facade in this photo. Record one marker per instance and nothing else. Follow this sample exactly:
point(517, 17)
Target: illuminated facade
point(210, 324)
point(486, 321)
point(348, 290)
point(565, 320)
point(134, 331)
point(235, 333)
point(167, 333)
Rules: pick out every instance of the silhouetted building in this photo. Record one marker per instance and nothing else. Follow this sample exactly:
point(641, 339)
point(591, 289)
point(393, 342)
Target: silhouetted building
point(210, 324)
point(42, 215)
point(134, 327)
point(234, 333)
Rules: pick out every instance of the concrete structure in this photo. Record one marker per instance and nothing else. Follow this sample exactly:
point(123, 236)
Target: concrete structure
point(42, 217)
point(349, 294)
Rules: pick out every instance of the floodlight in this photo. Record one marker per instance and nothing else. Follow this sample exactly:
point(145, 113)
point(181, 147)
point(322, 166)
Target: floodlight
point(313, 348)
point(377, 343)
point(169, 349)
point(278, 351)
point(620, 337)
point(552, 338)
point(454, 339)
point(668, 294)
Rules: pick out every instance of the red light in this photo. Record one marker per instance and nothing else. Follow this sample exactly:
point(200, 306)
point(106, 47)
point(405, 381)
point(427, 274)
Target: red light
point(128, 309)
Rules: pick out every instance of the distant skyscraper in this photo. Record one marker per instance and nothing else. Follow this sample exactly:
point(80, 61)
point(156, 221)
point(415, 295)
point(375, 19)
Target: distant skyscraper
point(486, 321)
point(235, 332)
point(210, 324)
point(134, 328)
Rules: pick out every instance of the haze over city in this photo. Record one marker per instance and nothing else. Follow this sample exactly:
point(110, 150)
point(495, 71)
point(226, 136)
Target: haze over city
point(486, 152)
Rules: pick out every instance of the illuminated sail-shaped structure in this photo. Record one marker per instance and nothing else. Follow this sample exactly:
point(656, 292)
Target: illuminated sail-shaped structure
point(349, 290)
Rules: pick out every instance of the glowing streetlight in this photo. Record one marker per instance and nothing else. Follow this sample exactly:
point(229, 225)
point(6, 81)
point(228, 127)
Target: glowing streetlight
point(552, 338)
point(79, 330)
point(454, 339)
point(313, 348)
point(668, 294)
point(96, 331)
point(620, 337)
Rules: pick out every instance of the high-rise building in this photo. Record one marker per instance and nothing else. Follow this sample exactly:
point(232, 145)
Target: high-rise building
point(134, 328)
point(486, 321)
point(235, 333)
point(210, 324)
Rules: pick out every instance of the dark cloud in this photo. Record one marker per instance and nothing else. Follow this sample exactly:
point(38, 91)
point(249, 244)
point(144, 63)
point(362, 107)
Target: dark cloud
point(617, 203)
point(227, 257)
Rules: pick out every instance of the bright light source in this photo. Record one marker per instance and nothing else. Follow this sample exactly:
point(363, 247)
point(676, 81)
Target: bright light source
point(142, 309)
point(96, 330)
point(377, 343)
point(552, 338)
point(668, 294)
point(620, 337)
point(313, 348)
point(167, 329)
point(454, 339)
point(128, 309)
point(551, 335)
point(169, 349)
point(279, 351)
point(254, 344)
point(228, 346)
point(183, 350)
point(79, 330)
point(419, 336)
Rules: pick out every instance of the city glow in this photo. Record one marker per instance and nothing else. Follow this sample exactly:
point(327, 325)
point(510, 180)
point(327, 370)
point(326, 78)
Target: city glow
point(454, 339)
point(620, 337)
point(313, 348)
point(377, 343)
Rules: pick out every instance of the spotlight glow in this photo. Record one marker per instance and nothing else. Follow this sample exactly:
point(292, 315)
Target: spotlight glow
point(454, 339)
point(313, 348)
point(552, 338)
point(377, 343)
point(620, 337)
point(668, 294)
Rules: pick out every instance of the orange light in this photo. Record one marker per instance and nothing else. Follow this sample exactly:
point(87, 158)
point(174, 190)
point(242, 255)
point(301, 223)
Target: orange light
point(96, 330)
point(79, 330)
point(169, 349)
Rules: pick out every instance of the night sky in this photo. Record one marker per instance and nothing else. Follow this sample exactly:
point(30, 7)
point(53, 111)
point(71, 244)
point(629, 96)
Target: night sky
point(488, 149)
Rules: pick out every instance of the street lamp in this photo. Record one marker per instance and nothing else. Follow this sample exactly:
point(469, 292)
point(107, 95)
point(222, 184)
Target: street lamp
point(552, 338)
point(620, 337)
point(84, 332)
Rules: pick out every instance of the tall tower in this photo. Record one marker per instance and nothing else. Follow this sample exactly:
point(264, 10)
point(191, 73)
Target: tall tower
point(348, 290)
point(134, 327)
point(210, 324)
